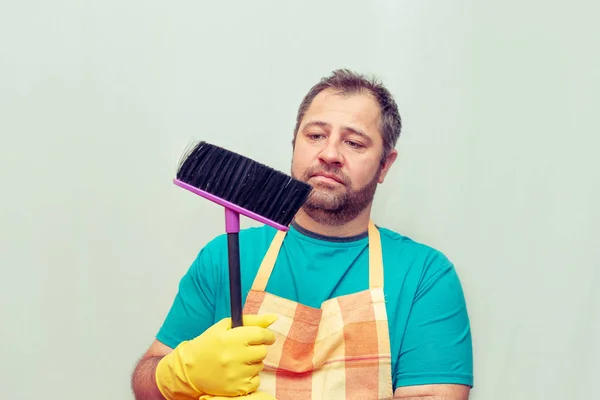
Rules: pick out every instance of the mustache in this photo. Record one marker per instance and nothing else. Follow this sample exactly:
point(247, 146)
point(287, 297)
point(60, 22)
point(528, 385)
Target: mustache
point(337, 172)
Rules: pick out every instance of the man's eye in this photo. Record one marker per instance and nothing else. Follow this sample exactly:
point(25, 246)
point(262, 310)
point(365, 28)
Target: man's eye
point(354, 145)
point(315, 136)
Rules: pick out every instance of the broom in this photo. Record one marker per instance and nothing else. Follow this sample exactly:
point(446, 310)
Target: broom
point(243, 187)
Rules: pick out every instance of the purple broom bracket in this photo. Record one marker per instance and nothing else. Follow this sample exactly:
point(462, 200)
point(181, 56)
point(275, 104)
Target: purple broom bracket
point(231, 209)
point(232, 221)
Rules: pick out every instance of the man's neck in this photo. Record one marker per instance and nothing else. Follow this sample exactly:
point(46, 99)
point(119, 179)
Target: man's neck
point(352, 228)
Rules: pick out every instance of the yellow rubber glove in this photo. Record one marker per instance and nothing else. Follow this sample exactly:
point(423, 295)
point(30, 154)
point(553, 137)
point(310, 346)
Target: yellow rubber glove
point(252, 396)
point(221, 361)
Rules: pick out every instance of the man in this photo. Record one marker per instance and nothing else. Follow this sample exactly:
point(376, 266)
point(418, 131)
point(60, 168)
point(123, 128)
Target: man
point(323, 318)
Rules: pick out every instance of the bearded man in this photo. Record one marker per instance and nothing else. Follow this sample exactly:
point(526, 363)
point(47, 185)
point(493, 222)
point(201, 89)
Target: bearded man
point(335, 308)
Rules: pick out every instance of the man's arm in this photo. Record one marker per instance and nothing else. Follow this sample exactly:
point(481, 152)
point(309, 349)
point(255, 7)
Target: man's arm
point(143, 380)
point(435, 361)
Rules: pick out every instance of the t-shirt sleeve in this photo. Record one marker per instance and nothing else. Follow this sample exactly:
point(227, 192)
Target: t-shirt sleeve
point(193, 309)
point(437, 347)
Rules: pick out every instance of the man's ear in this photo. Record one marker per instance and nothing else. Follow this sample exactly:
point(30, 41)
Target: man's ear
point(387, 164)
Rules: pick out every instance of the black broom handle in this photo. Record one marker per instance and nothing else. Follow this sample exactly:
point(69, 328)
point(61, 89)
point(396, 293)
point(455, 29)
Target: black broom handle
point(235, 281)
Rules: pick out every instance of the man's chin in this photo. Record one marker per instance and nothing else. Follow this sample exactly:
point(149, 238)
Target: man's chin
point(324, 201)
point(328, 190)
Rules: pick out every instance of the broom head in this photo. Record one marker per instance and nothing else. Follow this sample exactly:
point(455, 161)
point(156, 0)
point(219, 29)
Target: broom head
point(241, 184)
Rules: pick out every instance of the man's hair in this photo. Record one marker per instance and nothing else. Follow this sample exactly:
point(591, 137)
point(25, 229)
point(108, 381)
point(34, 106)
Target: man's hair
point(346, 82)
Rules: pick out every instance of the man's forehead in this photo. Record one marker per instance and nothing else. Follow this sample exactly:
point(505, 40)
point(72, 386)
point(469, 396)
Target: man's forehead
point(361, 107)
point(334, 95)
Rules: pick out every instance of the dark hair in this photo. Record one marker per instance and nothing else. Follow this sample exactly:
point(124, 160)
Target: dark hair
point(347, 82)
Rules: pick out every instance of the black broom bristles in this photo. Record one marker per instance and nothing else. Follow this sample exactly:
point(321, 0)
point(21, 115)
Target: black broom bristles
point(244, 182)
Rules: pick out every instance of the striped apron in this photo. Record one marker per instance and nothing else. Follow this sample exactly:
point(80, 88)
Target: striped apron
point(338, 351)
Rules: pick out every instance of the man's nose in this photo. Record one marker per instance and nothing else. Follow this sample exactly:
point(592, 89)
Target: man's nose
point(331, 154)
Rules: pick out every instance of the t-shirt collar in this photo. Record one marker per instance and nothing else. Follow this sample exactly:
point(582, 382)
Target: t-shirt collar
point(326, 238)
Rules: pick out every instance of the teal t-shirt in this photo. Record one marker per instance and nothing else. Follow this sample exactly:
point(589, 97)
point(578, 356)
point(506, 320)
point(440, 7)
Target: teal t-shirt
point(429, 326)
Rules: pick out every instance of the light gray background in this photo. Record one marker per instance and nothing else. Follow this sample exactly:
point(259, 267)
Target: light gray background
point(497, 168)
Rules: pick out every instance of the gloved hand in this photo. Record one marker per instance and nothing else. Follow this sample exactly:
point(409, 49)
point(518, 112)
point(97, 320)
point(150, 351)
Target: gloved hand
point(220, 362)
point(252, 396)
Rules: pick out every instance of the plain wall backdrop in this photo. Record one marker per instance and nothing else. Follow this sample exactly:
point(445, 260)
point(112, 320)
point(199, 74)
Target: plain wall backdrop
point(498, 168)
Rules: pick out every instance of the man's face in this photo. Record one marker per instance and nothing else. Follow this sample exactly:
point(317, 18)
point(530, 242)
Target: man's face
point(338, 151)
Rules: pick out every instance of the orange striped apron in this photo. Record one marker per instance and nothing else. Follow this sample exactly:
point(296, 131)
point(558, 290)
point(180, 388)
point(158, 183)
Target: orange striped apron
point(338, 351)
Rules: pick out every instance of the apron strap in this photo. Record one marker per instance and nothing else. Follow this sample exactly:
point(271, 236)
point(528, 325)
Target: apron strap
point(375, 260)
point(268, 262)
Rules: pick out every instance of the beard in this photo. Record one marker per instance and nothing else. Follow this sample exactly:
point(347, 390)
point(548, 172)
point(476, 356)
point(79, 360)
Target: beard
point(334, 204)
